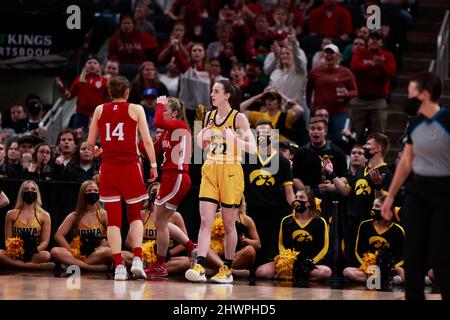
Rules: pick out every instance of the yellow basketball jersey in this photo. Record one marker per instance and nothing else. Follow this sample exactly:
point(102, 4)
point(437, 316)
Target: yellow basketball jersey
point(221, 150)
point(149, 229)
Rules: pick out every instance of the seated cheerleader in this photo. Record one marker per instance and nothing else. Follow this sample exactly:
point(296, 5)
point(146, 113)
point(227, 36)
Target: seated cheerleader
point(303, 243)
point(378, 238)
point(27, 232)
point(86, 227)
point(177, 261)
point(247, 246)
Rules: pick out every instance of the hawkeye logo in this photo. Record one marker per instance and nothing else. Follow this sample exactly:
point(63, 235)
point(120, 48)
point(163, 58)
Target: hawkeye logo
point(362, 188)
point(262, 178)
point(302, 236)
point(377, 242)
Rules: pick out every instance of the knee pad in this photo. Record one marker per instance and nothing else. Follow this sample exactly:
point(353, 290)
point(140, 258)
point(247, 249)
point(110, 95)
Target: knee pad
point(114, 212)
point(134, 211)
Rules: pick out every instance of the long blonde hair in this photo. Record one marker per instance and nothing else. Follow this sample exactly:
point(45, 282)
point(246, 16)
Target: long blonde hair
point(20, 203)
point(178, 106)
point(83, 73)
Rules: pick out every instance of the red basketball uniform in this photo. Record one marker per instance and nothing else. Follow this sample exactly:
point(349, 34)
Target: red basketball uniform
point(120, 171)
point(175, 145)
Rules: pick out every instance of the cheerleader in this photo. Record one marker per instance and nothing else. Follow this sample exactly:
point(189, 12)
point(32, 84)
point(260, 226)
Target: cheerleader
point(27, 232)
point(86, 226)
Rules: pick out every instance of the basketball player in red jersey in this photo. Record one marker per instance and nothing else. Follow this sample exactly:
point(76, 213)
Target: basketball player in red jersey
point(118, 123)
point(175, 144)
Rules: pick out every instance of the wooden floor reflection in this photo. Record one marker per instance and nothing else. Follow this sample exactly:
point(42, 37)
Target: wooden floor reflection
point(45, 286)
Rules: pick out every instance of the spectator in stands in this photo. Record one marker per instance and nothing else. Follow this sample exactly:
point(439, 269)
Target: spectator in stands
point(32, 224)
point(13, 164)
point(27, 146)
point(373, 68)
point(216, 48)
point(295, 15)
point(19, 121)
point(195, 84)
point(90, 90)
point(215, 70)
point(254, 86)
point(277, 108)
point(319, 56)
point(237, 76)
point(146, 77)
point(66, 144)
point(288, 149)
point(85, 228)
point(254, 46)
point(307, 162)
point(331, 86)
point(287, 69)
point(192, 13)
point(142, 23)
point(41, 167)
point(171, 79)
point(131, 47)
point(357, 160)
point(358, 42)
point(112, 68)
point(177, 41)
point(280, 17)
point(329, 20)
point(81, 166)
point(148, 101)
point(362, 186)
point(268, 190)
point(35, 111)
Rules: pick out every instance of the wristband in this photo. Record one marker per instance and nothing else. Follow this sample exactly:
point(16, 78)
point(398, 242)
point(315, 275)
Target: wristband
point(331, 176)
point(153, 165)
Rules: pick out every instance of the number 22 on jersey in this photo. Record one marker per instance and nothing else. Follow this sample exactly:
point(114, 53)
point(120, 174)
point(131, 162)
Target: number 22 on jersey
point(117, 132)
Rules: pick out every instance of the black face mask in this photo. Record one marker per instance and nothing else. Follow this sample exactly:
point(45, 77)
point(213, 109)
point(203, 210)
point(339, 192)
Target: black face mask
point(367, 154)
point(92, 197)
point(152, 196)
point(299, 206)
point(29, 196)
point(412, 106)
point(376, 214)
point(264, 140)
point(34, 108)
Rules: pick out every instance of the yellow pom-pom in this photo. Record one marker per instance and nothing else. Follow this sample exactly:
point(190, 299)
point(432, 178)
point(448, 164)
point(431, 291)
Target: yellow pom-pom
point(218, 246)
point(75, 248)
point(148, 253)
point(369, 259)
point(217, 229)
point(317, 203)
point(284, 264)
point(14, 249)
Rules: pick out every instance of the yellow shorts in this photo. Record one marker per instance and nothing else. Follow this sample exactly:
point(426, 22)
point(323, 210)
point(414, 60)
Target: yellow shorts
point(222, 183)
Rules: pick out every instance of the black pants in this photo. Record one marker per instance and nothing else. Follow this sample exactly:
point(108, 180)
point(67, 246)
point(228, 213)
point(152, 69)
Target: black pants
point(427, 211)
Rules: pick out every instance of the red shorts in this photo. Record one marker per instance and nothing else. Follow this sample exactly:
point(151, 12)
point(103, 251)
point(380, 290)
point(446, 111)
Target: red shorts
point(173, 187)
point(122, 181)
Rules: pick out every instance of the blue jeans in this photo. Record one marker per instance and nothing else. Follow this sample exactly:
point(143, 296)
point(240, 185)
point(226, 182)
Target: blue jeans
point(80, 121)
point(336, 125)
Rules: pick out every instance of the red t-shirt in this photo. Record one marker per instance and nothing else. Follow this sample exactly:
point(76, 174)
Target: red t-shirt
point(175, 143)
point(338, 23)
point(90, 93)
point(134, 48)
point(322, 84)
point(118, 134)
